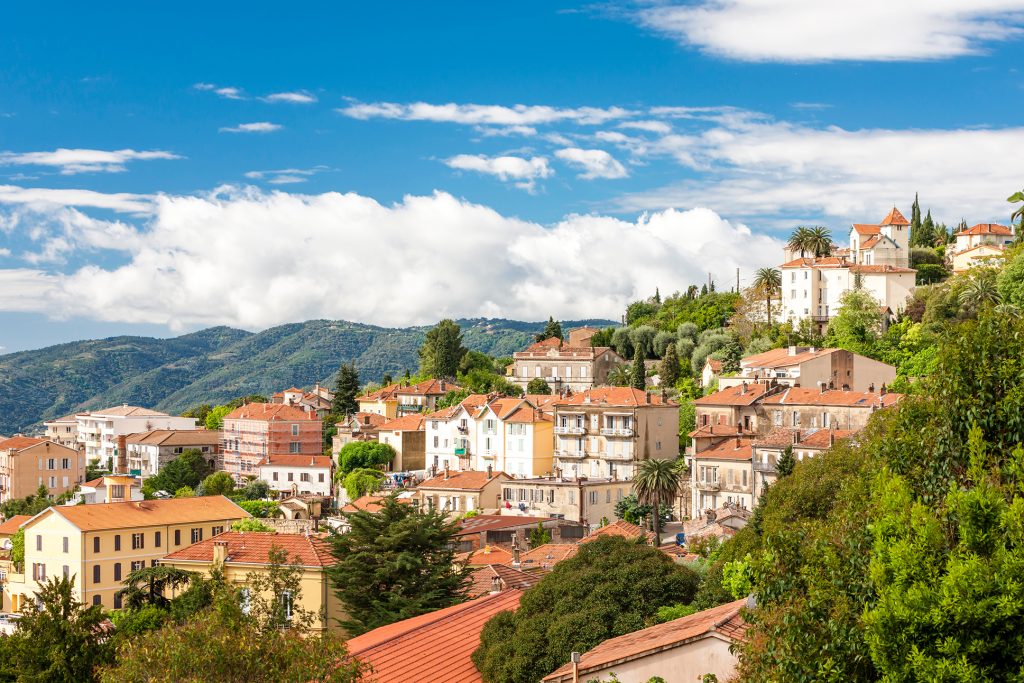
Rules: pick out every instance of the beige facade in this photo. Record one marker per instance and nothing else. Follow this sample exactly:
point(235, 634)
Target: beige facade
point(98, 430)
point(64, 431)
point(722, 474)
point(564, 366)
point(408, 437)
point(26, 463)
point(810, 367)
point(459, 492)
point(605, 432)
point(588, 501)
point(149, 452)
point(829, 409)
point(975, 257)
point(100, 544)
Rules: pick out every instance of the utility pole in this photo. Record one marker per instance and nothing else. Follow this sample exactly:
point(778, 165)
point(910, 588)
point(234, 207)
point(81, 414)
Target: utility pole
point(737, 280)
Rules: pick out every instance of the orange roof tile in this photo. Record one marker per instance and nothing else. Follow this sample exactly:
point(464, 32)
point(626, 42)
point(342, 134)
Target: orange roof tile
point(547, 555)
point(430, 387)
point(128, 411)
point(17, 443)
point(648, 641)
point(777, 437)
point(369, 503)
point(143, 513)
point(987, 229)
point(866, 228)
point(824, 262)
point(802, 396)
point(383, 394)
point(289, 460)
point(408, 423)
point(269, 412)
point(175, 437)
point(894, 217)
point(729, 449)
point(718, 430)
point(253, 547)
point(488, 554)
point(874, 268)
point(479, 523)
point(483, 579)
point(870, 241)
point(739, 395)
point(465, 480)
point(10, 527)
point(619, 527)
point(823, 438)
point(614, 396)
point(434, 647)
point(781, 357)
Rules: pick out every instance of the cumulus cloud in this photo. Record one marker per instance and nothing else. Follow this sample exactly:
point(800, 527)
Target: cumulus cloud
point(40, 198)
point(71, 161)
point(484, 114)
point(815, 31)
point(596, 163)
point(256, 127)
point(297, 97)
point(227, 92)
point(525, 172)
point(254, 259)
point(649, 126)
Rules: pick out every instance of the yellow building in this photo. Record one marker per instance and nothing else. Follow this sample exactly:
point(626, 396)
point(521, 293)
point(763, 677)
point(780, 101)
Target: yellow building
point(240, 554)
point(100, 544)
point(383, 402)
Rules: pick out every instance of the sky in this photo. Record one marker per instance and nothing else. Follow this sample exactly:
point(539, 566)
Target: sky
point(165, 169)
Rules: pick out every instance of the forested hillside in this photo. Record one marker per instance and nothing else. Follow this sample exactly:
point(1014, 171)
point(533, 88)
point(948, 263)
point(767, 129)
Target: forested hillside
point(218, 364)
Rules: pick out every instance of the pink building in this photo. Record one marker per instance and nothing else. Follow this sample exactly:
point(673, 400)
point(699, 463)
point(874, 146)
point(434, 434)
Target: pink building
point(257, 430)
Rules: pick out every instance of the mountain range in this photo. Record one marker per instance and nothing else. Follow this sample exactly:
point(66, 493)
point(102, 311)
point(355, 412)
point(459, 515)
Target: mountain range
point(218, 364)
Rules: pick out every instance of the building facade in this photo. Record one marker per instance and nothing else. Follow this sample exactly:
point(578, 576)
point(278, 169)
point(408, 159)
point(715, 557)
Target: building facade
point(149, 452)
point(563, 365)
point(456, 493)
point(98, 430)
point(256, 430)
point(806, 366)
point(297, 475)
point(584, 500)
point(63, 430)
point(408, 436)
point(26, 463)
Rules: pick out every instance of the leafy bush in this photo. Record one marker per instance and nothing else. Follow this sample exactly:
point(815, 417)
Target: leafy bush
point(364, 454)
point(260, 508)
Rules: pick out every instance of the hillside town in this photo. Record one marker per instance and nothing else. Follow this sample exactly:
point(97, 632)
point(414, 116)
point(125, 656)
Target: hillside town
point(656, 445)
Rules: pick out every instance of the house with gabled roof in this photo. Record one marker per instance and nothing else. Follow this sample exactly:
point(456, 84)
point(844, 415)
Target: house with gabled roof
point(458, 492)
point(255, 430)
point(27, 462)
point(808, 366)
point(574, 364)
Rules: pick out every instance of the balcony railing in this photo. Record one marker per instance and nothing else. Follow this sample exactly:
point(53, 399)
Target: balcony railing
point(570, 454)
point(617, 431)
point(768, 467)
point(708, 486)
point(573, 429)
point(617, 456)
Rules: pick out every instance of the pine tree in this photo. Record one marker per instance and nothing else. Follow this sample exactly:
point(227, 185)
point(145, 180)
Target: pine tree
point(553, 329)
point(345, 390)
point(712, 287)
point(669, 370)
point(442, 350)
point(638, 375)
point(703, 290)
point(786, 463)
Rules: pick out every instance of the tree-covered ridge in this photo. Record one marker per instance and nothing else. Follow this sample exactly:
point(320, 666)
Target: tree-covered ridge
point(218, 364)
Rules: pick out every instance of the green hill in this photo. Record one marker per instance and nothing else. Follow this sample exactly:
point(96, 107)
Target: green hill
point(218, 364)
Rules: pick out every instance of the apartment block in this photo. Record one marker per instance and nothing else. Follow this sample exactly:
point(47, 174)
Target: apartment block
point(256, 430)
point(148, 452)
point(572, 365)
point(297, 475)
point(98, 430)
point(26, 463)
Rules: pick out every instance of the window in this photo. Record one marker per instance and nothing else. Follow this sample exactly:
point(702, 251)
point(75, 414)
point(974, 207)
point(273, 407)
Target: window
point(51, 464)
point(64, 482)
point(321, 475)
point(435, 442)
point(65, 545)
point(117, 491)
point(117, 571)
point(777, 418)
point(744, 477)
point(274, 476)
point(96, 544)
point(156, 540)
point(38, 571)
point(197, 535)
point(295, 430)
point(177, 537)
point(568, 371)
point(117, 600)
point(138, 564)
point(96, 600)
point(287, 603)
point(216, 530)
point(117, 542)
point(583, 372)
point(53, 482)
point(291, 476)
point(294, 447)
point(657, 446)
point(608, 496)
point(593, 497)
point(39, 542)
point(95, 573)
point(304, 476)
point(65, 463)
point(138, 541)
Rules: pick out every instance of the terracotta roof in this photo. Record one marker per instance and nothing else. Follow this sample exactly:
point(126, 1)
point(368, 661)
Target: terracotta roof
point(370, 503)
point(866, 228)
point(511, 579)
point(823, 262)
point(253, 547)
point(10, 527)
point(716, 365)
point(728, 449)
point(175, 437)
point(997, 248)
point(823, 438)
point(614, 396)
point(861, 268)
point(488, 554)
point(269, 412)
point(547, 555)
point(409, 423)
point(383, 394)
point(870, 241)
point(987, 229)
point(72, 418)
point(781, 357)
point(128, 411)
point(289, 460)
point(619, 527)
point(17, 443)
point(363, 420)
point(430, 387)
point(434, 647)
point(143, 513)
point(479, 523)
point(802, 396)
point(649, 641)
point(718, 430)
point(894, 217)
point(94, 483)
point(777, 437)
point(739, 395)
point(466, 480)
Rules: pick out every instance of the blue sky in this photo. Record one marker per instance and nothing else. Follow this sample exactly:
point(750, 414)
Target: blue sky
point(166, 170)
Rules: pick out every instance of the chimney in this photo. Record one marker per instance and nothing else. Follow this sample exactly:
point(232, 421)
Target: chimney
point(883, 390)
point(792, 350)
point(871, 388)
point(446, 472)
point(739, 442)
point(515, 552)
point(821, 387)
point(739, 428)
point(220, 552)
point(495, 584)
point(490, 471)
point(831, 438)
point(122, 455)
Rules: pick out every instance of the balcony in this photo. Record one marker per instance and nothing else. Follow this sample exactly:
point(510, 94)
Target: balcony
point(766, 467)
point(709, 486)
point(625, 432)
point(571, 430)
point(625, 457)
point(571, 455)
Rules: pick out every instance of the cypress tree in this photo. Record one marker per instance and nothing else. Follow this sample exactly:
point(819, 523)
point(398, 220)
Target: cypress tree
point(786, 463)
point(638, 375)
point(669, 370)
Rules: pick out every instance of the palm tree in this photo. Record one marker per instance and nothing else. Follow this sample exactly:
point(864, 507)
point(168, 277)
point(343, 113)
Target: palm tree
point(1017, 217)
point(657, 483)
point(618, 376)
point(819, 241)
point(768, 281)
point(980, 291)
point(798, 240)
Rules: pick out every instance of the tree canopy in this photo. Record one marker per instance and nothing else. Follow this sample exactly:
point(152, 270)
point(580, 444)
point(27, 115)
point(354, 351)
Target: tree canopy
point(364, 454)
point(442, 350)
point(346, 389)
point(188, 469)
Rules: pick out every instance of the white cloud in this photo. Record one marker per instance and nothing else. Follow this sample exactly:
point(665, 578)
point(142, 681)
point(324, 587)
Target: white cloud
point(71, 161)
point(816, 31)
point(596, 163)
point(506, 131)
point(483, 114)
point(649, 126)
point(227, 92)
point(525, 171)
point(5, 252)
point(297, 97)
point(285, 176)
point(256, 127)
point(254, 260)
point(38, 198)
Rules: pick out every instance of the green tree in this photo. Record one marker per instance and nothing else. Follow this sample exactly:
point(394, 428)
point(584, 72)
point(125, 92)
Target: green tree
point(915, 222)
point(981, 290)
point(251, 524)
point(858, 324)
point(275, 595)
point(214, 420)
point(395, 563)
point(1010, 281)
point(638, 373)
point(669, 369)
point(58, 639)
point(1017, 216)
point(257, 489)
point(538, 385)
point(816, 241)
point(786, 462)
point(612, 586)
point(364, 454)
point(198, 413)
point(539, 536)
point(188, 469)
point(18, 549)
point(362, 481)
point(442, 350)
point(152, 585)
point(218, 484)
point(768, 282)
point(657, 484)
point(185, 492)
point(346, 389)
point(553, 329)
point(618, 376)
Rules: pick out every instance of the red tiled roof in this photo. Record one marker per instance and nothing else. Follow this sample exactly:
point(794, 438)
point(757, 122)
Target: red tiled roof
point(17, 443)
point(824, 262)
point(383, 394)
point(862, 268)
point(511, 579)
point(777, 437)
point(894, 217)
point(738, 395)
point(176, 437)
point(992, 247)
point(987, 229)
point(253, 547)
point(823, 438)
point(465, 480)
point(434, 647)
point(370, 503)
point(718, 430)
point(10, 527)
point(488, 554)
point(866, 228)
point(269, 412)
point(870, 241)
point(409, 423)
point(716, 365)
point(781, 357)
point(430, 387)
point(479, 523)
point(547, 555)
point(728, 449)
point(802, 396)
point(619, 527)
point(144, 513)
point(128, 411)
point(648, 641)
point(614, 396)
point(289, 460)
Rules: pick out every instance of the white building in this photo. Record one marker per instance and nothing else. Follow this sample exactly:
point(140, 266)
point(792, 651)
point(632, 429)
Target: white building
point(991, 234)
point(149, 452)
point(98, 430)
point(297, 475)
